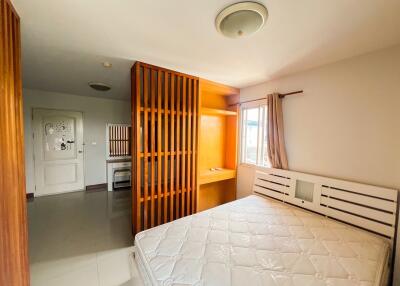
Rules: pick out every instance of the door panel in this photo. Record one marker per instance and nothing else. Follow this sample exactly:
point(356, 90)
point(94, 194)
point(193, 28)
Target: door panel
point(14, 268)
point(52, 174)
point(58, 151)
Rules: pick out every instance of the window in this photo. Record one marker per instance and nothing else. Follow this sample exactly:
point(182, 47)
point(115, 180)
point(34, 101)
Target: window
point(118, 140)
point(254, 142)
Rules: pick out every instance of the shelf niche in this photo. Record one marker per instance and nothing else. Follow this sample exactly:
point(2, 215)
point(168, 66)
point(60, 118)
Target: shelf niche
point(218, 132)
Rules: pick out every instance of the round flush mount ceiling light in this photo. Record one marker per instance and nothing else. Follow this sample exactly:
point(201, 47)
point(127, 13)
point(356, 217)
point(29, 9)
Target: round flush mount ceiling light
point(99, 86)
point(241, 19)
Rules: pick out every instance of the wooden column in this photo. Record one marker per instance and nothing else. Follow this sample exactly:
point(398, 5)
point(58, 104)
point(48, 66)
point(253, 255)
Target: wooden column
point(14, 269)
point(164, 122)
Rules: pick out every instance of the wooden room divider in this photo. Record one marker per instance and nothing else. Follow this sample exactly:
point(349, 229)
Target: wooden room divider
point(14, 267)
point(165, 107)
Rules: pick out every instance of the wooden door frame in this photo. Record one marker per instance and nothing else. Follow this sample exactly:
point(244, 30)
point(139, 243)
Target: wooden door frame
point(14, 265)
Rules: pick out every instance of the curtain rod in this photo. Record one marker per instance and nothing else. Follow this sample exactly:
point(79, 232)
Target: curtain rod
point(281, 95)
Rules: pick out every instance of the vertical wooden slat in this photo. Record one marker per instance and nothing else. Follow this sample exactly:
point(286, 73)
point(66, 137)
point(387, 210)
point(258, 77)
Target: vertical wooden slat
point(183, 175)
point(153, 145)
point(127, 141)
point(146, 145)
point(172, 163)
point(166, 137)
point(110, 136)
point(159, 141)
point(194, 149)
point(123, 141)
point(14, 268)
point(109, 141)
point(178, 178)
point(189, 147)
point(118, 141)
point(130, 138)
point(113, 141)
point(137, 194)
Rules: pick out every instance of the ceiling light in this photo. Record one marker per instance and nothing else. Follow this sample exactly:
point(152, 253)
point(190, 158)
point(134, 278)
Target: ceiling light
point(241, 19)
point(107, 64)
point(99, 86)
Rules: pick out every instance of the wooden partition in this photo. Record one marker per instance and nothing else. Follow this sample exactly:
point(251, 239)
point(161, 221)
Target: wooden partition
point(164, 149)
point(14, 269)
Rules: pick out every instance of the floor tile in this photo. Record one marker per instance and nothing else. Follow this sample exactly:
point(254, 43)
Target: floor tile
point(82, 239)
point(115, 266)
point(85, 276)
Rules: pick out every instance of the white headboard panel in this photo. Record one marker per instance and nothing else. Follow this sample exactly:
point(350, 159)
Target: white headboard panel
point(369, 207)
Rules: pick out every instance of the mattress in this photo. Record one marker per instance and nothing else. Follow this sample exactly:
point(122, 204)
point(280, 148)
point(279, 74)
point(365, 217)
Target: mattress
point(259, 241)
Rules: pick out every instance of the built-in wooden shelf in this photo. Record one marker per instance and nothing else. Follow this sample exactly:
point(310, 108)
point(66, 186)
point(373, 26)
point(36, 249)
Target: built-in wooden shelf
point(214, 111)
point(207, 177)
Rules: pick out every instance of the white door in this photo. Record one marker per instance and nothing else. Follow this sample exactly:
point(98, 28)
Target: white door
point(58, 151)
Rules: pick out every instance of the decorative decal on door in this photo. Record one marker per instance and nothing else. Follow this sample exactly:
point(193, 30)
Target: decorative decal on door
point(59, 137)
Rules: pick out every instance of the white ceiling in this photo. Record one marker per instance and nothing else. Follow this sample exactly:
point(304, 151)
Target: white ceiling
point(65, 41)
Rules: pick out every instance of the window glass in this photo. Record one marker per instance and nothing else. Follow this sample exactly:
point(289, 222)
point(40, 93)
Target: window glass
point(264, 155)
point(251, 125)
point(254, 136)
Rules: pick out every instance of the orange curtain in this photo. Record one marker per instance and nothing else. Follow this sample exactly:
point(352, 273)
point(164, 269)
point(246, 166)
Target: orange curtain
point(276, 142)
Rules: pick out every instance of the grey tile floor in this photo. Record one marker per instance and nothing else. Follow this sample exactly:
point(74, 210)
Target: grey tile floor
point(82, 238)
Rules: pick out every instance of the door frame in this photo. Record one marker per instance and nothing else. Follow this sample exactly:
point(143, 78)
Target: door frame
point(33, 149)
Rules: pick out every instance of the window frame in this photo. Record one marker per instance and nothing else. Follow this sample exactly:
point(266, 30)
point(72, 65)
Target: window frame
point(262, 105)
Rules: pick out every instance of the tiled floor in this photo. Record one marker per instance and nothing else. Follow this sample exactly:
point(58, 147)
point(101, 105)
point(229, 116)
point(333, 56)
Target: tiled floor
point(82, 239)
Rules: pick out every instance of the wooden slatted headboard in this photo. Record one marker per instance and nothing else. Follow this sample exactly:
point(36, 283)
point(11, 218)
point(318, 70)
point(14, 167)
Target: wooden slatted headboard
point(368, 207)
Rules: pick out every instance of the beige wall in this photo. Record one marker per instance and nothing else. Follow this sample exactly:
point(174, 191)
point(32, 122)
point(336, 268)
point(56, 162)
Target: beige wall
point(345, 125)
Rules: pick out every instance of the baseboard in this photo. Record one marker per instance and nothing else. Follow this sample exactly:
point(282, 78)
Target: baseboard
point(30, 196)
point(96, 188)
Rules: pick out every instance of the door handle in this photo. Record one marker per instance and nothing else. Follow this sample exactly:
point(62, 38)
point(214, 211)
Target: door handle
point(70, 141)
point(80, 151)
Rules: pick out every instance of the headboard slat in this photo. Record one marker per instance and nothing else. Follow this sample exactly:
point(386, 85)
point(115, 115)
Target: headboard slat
point(361, 199)
point(373, 226)
point(359, 210)
point(270, 193)
point(369, 190)
point(365, 206)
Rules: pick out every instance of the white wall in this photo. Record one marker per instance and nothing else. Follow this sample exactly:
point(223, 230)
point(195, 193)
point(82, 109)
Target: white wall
point(345, 125)
point(97, 113)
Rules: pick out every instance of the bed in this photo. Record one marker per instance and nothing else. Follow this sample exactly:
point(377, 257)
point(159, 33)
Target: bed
point(278, 236)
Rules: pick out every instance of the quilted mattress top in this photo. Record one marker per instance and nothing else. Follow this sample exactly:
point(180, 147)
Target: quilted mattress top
point(258, 241)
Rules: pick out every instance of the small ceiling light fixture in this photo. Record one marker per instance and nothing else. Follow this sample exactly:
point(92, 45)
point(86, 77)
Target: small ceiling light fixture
point(99, 86)
point(107, 64)
point(241, 19)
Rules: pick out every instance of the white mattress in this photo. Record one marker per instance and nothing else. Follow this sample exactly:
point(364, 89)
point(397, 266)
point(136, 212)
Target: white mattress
point(258, 241)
